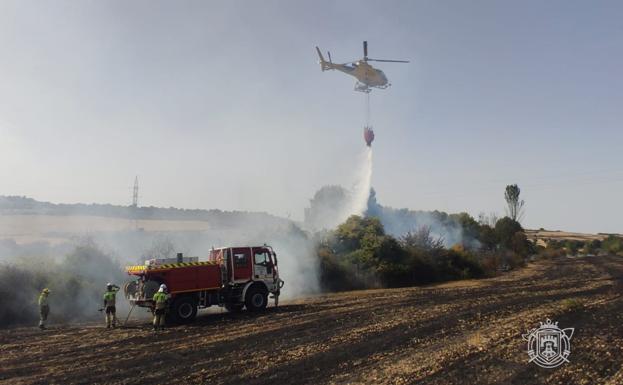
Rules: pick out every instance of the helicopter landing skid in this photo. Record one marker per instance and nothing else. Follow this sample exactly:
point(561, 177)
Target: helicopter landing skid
point(360, 87)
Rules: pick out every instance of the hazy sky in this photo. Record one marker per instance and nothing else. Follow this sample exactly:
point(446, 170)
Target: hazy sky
point(223, 104)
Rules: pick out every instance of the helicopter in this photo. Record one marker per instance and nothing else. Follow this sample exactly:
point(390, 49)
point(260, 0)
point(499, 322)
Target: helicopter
point(367, 76)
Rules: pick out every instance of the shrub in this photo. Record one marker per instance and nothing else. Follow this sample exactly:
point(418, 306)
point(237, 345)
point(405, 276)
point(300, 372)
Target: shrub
point(457, 264)
point(505, 230)
point(359, 254)
point(515, 260)
point(613, 244)
point(490, 263)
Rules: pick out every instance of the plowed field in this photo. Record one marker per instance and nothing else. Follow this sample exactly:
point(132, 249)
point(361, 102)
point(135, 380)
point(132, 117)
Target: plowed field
point(467, 332)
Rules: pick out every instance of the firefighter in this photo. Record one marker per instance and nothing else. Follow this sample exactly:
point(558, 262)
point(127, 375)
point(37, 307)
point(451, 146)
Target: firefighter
point(161, 299)
point(44, 307)
point(110, 302)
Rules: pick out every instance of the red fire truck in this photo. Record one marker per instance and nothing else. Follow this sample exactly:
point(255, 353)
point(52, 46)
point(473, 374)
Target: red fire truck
point(233, 277)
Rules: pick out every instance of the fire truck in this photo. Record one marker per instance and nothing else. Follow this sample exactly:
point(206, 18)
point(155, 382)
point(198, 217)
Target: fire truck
point(232, 277)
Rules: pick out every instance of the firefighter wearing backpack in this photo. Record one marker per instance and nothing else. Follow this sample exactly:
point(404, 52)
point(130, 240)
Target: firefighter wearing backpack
point(110, 302)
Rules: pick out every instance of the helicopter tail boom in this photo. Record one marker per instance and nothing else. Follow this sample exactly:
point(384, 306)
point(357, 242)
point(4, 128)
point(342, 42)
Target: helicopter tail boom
point(324, 65)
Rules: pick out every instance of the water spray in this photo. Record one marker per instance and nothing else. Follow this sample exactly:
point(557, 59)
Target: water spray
point(361, 188)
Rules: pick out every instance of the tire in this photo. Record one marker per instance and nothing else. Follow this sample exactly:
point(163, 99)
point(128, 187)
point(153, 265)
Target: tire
point(234, 307)
point(256, 299)
point(184, 310)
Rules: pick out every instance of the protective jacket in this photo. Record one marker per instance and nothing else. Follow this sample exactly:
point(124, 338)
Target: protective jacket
point(110, 297)
point(43, 300)
point(161, 300)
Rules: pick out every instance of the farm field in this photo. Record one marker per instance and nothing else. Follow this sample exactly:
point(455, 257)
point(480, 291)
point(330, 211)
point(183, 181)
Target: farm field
point(456, 333)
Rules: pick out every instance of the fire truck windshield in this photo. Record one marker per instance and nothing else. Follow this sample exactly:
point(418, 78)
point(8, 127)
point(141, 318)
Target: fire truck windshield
point(261, 257)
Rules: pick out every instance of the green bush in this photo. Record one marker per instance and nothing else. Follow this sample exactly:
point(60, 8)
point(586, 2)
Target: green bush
point(613, 244)
point(592, 247)
point(488, 238)
point(506, 229)
point(456, 263)
point(572, 247)
point(520, 245)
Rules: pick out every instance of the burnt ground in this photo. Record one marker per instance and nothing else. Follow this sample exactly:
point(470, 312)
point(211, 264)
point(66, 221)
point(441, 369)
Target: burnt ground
point(467, 332)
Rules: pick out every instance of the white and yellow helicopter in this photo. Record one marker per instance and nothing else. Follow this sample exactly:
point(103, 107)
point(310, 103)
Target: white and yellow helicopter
point(367, 76)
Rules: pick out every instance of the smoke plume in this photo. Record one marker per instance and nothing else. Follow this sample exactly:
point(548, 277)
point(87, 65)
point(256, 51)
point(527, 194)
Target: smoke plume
point(332, 205)
point(76, 284)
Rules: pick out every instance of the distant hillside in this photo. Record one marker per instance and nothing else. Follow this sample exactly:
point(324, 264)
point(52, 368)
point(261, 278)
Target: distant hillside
point(556, 235)
point(16, 205)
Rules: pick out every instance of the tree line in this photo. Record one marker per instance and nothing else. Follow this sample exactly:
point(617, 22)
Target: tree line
point(361, 253)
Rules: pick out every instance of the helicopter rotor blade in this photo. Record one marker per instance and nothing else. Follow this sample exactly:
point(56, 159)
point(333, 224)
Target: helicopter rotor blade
point(389, 61)
point(365, 50)
point(329, 54)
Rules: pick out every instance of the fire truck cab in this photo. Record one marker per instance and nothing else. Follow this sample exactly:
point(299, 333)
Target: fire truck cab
point(232, 277)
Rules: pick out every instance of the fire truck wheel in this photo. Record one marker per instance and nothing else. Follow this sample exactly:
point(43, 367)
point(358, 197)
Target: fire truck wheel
point(256, 299)
point(184, 309)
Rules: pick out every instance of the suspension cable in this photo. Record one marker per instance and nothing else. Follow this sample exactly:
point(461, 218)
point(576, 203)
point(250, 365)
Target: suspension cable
point(368, 109)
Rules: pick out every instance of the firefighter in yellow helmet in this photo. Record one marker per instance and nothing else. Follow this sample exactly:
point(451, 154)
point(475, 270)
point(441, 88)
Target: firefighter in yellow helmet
point(110, 302)
point(161, 300)
point(44, 307)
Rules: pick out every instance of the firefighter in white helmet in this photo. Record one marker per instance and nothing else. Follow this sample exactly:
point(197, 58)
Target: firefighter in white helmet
point(161, 299)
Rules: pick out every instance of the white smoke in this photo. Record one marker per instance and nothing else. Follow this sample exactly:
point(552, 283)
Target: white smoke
point(360, 191)
point(296, 248)
point(332, 205)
